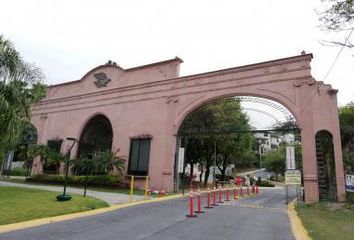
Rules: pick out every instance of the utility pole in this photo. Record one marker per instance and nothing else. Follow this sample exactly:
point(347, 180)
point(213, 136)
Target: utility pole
point(260, 153)
point(214, 161)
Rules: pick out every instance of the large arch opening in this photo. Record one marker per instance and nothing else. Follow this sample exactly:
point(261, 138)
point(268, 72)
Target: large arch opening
point(326, 173)
point(225, 136)
point(96, 137)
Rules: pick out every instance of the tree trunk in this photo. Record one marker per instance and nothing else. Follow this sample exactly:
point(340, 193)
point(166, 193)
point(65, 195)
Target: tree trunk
point(223, 174)
point(207, 173)
point(191, 170)
point(201, 172)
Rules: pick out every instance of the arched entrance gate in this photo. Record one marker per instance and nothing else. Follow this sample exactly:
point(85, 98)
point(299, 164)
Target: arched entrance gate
point(147, 104)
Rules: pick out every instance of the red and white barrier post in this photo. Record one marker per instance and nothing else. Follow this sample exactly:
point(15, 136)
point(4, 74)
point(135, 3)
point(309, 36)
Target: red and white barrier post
point(214, 196)
point(191, 207)
point(199, 201)
point(235, 191)
point(227, 194)
point(220, 194)
point(208, 198)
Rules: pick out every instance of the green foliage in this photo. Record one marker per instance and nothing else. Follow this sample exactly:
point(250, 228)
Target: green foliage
point(20, 86)
point(338, 16)
point(97, 180)
point(101, 164)
point(350, 197)
point(348, 158)
point(19, 172)
point(327, 221)
point(346, 121)
point(275, 160)
point(266, 184)
point(49, 158)
point(214, 127)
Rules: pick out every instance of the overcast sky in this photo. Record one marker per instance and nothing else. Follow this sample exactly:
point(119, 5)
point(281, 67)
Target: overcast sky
point(68, 38)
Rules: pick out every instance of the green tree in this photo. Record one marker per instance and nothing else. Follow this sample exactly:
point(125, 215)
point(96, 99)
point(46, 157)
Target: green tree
point(47, 156)
point(346, 121)
point(20, 86)
point(105, 162)
point(216, 125)
point(275, 161)
point(338, 16)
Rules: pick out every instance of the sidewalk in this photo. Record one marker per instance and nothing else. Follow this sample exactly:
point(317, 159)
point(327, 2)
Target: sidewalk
point(110, 198)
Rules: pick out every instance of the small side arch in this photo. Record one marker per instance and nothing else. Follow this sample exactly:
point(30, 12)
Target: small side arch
point(326, 172)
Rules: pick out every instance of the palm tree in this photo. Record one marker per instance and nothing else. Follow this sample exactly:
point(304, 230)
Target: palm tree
point(47, 156)
point(20, 86)
point(105, 162)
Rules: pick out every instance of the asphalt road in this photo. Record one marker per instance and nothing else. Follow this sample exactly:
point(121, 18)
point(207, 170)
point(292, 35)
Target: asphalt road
point(262, 217)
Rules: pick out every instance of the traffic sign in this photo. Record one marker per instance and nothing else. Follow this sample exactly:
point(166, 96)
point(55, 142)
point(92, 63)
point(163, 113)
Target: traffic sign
point(293, 177)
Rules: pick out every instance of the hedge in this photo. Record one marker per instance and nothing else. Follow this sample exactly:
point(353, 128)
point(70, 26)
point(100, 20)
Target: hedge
point(97, 180)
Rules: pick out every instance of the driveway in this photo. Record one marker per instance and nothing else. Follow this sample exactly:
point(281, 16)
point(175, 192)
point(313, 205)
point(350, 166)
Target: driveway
point(262, 217)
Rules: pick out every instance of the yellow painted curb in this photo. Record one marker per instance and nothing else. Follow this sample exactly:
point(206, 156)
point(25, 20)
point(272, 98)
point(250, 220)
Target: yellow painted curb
point(297, 228)
point(43, 221)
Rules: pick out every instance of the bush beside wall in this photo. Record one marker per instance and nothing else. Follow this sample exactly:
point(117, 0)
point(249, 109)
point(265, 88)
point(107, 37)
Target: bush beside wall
point(98, 180)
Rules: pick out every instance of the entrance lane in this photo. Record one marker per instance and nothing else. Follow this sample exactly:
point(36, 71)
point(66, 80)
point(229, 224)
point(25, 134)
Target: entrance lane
point(243, 219)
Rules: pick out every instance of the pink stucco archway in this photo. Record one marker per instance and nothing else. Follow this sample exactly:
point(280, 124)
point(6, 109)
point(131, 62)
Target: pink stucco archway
point(152, 100)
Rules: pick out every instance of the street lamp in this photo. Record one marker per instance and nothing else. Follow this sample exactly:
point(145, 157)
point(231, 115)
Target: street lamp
point(64, 196)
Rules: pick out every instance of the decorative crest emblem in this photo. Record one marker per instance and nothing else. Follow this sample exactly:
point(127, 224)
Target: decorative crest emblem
point(102, 79)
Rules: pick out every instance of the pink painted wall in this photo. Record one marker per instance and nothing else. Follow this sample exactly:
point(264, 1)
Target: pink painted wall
point(153, 100)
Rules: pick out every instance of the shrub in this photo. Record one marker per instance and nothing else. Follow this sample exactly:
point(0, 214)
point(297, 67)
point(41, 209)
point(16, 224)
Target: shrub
point(266, 184)
point(97, 180)
point(350, 197)
point(18, 172)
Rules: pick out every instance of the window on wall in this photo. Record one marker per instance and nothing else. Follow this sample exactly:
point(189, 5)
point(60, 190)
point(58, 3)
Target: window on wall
point(55, 145)
point(139, 156)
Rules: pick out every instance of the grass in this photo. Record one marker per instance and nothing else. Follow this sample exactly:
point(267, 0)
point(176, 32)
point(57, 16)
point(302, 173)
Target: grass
point(328, 221)
point(22, 204)
point(94, 188)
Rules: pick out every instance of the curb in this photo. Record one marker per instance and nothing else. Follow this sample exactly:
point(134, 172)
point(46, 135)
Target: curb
point(43, 221)
point(297, 228)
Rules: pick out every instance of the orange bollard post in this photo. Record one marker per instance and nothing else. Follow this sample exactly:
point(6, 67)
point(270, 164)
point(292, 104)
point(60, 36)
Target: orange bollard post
point(199, 203)
point(227, 194)
point(235, 192)
point(191, 207)
point(208, 198)
point(220, 195)
point(214, 196)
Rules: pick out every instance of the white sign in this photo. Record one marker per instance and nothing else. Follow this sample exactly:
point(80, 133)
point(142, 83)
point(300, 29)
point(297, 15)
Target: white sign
point(180, 160)
point(292, 177)
point(290, 157)
point(349, 183)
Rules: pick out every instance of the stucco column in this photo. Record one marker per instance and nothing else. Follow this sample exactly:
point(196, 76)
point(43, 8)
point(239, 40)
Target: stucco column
point(309, 163)
point(338, 158)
